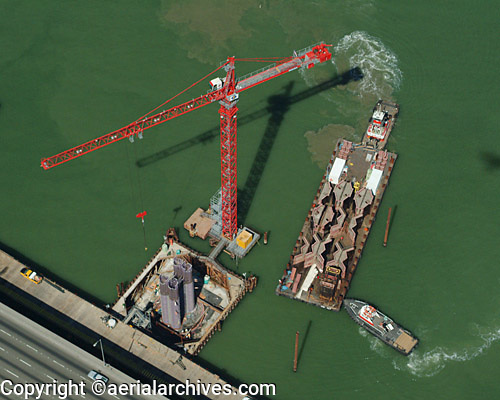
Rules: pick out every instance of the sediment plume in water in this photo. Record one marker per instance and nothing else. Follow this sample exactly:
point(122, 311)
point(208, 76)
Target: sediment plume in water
point(321, 143)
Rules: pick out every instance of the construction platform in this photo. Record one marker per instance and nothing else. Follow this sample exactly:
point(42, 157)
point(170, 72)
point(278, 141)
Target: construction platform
point(216, 291)
point(335, 230)
point(208, 223)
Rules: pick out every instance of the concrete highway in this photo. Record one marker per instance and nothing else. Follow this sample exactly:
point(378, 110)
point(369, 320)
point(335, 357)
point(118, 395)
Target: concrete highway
point(33, 354)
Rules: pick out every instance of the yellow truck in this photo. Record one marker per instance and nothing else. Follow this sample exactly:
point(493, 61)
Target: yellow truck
point(31, 275)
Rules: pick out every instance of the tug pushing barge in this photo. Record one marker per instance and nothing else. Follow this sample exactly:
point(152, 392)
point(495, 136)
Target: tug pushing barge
point(329, 246)
point(381, 326)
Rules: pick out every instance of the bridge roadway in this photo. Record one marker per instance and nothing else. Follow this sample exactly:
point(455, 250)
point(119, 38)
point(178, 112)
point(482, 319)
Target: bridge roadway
point(30, 353)
point(124, 336)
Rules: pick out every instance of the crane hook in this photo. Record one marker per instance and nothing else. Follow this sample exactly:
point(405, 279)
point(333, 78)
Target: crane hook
point(141, 215)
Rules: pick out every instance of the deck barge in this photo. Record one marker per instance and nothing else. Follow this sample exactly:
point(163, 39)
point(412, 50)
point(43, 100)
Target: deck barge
point(330, 243)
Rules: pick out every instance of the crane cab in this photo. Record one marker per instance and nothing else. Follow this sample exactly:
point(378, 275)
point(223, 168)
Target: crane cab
point(217, 83)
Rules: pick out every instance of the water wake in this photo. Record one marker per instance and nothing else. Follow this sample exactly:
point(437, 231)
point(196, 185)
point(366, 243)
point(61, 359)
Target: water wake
point(363, 332)
point(376, 345)
point(432, 362)
point(379, 65)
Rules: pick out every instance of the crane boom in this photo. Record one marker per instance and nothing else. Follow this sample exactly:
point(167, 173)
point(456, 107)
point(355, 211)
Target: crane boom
point(307, 57)
point(227, 96)
point(135, 128)
point(318, 53)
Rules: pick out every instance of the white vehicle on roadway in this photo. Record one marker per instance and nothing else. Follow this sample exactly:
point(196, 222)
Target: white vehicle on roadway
point(96, 376)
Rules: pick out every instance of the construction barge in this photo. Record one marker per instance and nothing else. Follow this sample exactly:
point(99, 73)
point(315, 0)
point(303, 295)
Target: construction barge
point(181, 296)
point(329, 246)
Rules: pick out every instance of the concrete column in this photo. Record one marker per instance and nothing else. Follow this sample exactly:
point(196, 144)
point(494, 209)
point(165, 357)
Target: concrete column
point(165, 317)
point(189, 300)
point(178, 262)
point(174, 306)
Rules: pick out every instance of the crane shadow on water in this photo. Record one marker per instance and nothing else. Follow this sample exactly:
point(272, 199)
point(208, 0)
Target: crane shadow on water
point(278, 105)
point(354, 74)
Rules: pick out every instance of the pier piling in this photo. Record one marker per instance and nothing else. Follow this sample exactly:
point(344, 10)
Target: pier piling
point(387, 227)
point(296, 351)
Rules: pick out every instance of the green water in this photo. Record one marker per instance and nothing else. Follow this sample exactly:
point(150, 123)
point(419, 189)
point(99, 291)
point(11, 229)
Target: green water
point(71, 71)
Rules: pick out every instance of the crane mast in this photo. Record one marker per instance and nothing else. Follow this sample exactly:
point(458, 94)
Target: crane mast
point(228, 154)
point(227, 96)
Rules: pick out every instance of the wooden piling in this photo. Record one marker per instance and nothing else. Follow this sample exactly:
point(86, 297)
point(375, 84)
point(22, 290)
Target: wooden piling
point(387, 227)
point(296, 351)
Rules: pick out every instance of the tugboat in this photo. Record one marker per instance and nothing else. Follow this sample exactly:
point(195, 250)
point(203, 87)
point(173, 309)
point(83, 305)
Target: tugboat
point(378, 125)
point(381, 122)
point(381, 326)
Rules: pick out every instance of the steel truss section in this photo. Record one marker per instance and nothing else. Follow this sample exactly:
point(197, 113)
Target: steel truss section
point(229, 191)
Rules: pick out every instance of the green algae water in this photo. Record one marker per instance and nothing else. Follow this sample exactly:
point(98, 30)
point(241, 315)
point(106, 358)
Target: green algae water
point(72, 71)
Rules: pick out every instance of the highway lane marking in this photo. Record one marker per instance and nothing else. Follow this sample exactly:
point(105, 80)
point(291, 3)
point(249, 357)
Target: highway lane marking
point(116, 397)
point(7, 333)
point(1, 348)
point(59, 364)
point(24, 362)
point(48, 376)
point(10, 372)
point(32, 348)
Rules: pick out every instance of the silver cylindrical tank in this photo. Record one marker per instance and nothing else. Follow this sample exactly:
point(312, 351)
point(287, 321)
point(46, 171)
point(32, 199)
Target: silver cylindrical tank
point(165, 317)
point(174, 305)
point(189, 301)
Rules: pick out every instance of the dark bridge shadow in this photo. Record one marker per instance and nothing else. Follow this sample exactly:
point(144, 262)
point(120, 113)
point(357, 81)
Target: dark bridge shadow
point(46, 273)
point(354, 74)
point(278, 105)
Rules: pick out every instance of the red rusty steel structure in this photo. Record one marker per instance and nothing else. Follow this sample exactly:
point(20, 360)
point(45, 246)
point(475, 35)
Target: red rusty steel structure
point(227, 96)
point(228, 159)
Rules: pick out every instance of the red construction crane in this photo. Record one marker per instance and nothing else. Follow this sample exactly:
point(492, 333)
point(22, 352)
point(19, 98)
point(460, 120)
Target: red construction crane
point(226, 92)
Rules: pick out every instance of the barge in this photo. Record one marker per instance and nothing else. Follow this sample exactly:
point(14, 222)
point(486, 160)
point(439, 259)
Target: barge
point(337, 225)
point(381, 326)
